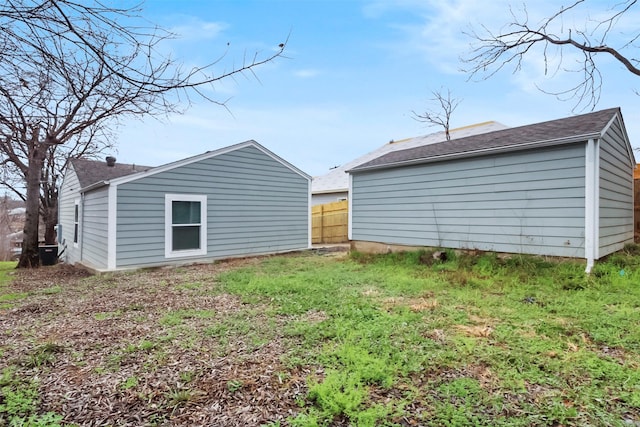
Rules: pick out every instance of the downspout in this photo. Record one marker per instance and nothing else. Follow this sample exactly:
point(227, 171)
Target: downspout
point(592, 203)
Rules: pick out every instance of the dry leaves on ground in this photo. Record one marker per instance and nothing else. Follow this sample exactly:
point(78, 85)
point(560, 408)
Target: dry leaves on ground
point(104, 353)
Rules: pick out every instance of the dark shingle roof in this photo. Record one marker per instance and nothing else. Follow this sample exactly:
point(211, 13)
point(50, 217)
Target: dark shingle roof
point(585, 125)
point(93, 171)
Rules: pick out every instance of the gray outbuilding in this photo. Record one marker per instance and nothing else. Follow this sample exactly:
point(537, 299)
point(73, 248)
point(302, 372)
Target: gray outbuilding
point(237, 201)
point(559, 188)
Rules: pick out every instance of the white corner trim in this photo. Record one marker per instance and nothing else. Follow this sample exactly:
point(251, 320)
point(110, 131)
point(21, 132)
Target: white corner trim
point(112, 221)
point(596, 207)
point(591, 202)
point(350, 209)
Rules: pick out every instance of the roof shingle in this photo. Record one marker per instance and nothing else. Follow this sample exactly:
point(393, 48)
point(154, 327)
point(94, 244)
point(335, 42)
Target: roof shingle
point(585, 125)
point(338, 180)
point(93, 171)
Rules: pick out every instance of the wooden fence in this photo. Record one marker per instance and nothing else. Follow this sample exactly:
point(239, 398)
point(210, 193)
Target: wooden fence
point(636, 209)
point(330, 223)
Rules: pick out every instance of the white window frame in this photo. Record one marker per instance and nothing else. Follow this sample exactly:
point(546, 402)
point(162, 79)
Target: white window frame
point(76, 223)
point(168, 221)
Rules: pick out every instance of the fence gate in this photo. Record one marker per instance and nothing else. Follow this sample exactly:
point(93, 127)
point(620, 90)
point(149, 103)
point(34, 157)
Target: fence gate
point(330, 223)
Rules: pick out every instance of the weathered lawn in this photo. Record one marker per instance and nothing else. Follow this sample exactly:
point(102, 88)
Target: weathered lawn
point(306, 340)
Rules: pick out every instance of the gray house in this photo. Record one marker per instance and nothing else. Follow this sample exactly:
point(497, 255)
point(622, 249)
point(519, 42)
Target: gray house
point(559, 188)
point(236, 201)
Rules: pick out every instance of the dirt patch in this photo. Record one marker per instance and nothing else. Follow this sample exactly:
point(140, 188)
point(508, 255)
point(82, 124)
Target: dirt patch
point(146, 349)
point(427, 302)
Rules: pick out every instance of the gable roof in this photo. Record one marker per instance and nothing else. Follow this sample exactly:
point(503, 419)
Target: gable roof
point(338, 180)
point(92, 171)
point(553, 132)
point(140, 173)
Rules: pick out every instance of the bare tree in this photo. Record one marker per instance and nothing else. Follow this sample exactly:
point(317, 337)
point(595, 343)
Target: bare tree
point(441, 116)
point(509, 47)
point(69, 72)
point(55, 163)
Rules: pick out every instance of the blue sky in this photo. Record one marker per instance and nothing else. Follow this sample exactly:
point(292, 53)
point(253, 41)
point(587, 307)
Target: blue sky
point(355, 70)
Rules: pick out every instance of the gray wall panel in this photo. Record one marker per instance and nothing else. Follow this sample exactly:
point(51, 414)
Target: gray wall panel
point(524, 202)
point(69, 192)
point(255, 205)
point(94, 227)
point(616, 192)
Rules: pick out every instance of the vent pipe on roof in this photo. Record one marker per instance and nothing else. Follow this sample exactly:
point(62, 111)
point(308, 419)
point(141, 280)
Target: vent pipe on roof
point(111, 161)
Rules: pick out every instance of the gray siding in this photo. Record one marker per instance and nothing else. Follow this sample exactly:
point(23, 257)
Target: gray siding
point(525, 202)
point(255, 205)
point(69, 192)
point(94, 228)
point(616, 192)
point(321, 199)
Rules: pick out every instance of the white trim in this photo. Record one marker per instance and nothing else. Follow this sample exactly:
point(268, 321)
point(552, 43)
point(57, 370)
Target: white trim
point(112, 221)
point(276, 158)
point(168, 225)
point(350, 209)
point(625, 136)
point(591, 203)
point(331, 190)
point(76, 223)
point(596, 198)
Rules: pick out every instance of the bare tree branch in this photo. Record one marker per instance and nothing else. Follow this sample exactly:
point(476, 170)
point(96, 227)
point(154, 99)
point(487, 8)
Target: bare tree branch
point(494, 51)
point(441, 116)
point(69, 72)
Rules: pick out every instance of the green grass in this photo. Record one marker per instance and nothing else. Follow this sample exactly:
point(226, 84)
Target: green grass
point(466, 338)
point(385, 340)
point(7, 298)
point(5, 267)
point(19, 401)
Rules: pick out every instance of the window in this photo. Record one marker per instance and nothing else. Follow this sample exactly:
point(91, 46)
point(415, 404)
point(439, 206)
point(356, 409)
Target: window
point(76, 222)
point(185, 225)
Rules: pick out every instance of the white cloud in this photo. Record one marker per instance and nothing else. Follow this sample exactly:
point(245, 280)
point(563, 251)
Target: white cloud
point(436, 32)
point(306, 73)
point(194, 29)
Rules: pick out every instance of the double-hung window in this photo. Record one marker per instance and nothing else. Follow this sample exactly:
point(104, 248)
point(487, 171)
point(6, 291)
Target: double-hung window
point(185, 225)
point(76, 222)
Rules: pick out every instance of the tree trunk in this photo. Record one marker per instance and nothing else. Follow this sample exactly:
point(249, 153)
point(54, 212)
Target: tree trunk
point(50, 220)
point(30, 256)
